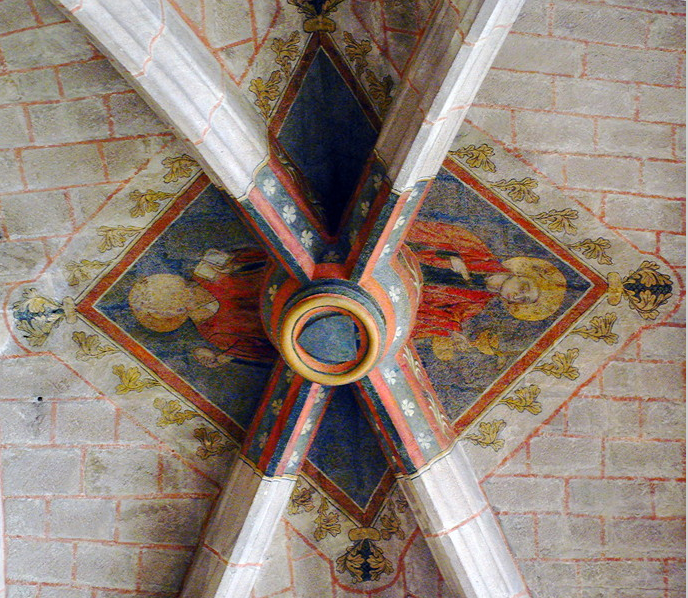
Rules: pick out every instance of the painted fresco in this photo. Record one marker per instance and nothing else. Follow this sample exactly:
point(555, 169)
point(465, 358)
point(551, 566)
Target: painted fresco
point(491, 290)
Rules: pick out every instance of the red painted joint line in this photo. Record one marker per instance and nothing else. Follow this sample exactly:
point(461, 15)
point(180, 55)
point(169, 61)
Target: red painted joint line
point(214, 552)
point(458, 525)
point(244, 565)
point(152, 42)
point(205, 131)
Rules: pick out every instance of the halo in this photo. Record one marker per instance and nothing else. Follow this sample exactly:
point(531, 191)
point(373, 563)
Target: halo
point(159, 302)
point(550, 282)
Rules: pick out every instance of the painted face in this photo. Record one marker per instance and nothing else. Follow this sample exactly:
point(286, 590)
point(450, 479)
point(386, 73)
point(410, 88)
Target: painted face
point(519, 289)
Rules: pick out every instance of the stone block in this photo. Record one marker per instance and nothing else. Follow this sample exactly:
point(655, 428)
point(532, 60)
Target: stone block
point(163, 570)
point(628, 138)
point(21, 260)
point(519, 531)
point(28, 471)
point(132, 116)
point(421, 570)
point(54, 210)
point(314, 573)
point(670, 499)
point(63, 592)
point(52, 167)
point(48, 13)
point(533, 17)
point(611, 576)
point(57, 44)
point(664, 420)
point(90, 518)
point(510, 89)
point(626, 64)
point(495, 121)
point(672, 247)
point(24, 516)
point(620, 174)
point(178, 477)
point(55, 381)
point(667, 31)
point(565, 456)
point(648, 459)
point(124, 158)
point(91, 78)
point(600, 417)
point(594, 97)
point(11, 179)
point(110, 566)
point(66, 122)
point(664, 178)
point(16, 14)
point(651, 380)
point(115, 471)
point(275, 574)
point(21, 591)
point(25, 422)
point(540, 55)
point(665, 104)
point(622, 498)
point(599, 23)
point(645, 538)
point(525, 494)
point(227, 23)
point(86, 200)
point(562, 537)
point(75, 422)
point(13, 127)
point(550, 165)
point(627, 211)
point(553, 132)
point(550, 579)
point(163, 520)
point(38, 560)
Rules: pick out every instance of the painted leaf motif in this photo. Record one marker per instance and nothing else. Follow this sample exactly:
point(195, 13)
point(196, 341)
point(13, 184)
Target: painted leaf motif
point(326, 523)
point(131, 381)
point(37, 329)
point(179, 167)
point(33, 303)
point(594, 250)
point(356, 52)
point(391, 525)
point(352, 562)
point(115, 236)
point(305, 7)
point(171, 412)
point(265, 91)
point(380, 90)
point(559, 220)
point(211, 443)
point(561, 365)
point(487, 436)
point(378, 564)
point(90, 347)
point(525, 400)
point(145, 203)
point(83, 270)
point(519, 190)
point(286, 50)
point(301, 500)
point(600, 329)
point(477, 157)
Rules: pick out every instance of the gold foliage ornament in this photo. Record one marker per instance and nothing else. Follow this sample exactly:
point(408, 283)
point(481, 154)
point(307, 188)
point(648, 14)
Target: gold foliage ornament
point(476, 157)
point(115, 236)
point(326, 523)
point(265, 92)
point(594, 250)
point(90, 347)
point(131, 381)
point(179, 167)
point(559, 220)
point(83, 271)
point(37, 316)
point(171, 412)
point(316, 18)
point(600, 329)
point(380, 90)
point(488, 433)
point(561, 365)
point(356, 52)
point(212, 443)
point(286, 51)
point(391, 525)
point(525, 400)
point(519, 190)
point(646, 289)
point(145, 203)
point(301, 500)
point(364, 560)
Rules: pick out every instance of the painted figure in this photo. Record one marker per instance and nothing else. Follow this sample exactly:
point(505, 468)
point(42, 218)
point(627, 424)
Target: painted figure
point(461, 276)
point(222, 302)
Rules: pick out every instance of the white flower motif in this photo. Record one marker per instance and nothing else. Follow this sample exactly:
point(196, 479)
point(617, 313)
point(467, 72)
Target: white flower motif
point(408, 408)
point(289, 375)
point(353, 234)
point(394, 294)
point(262, 440)
point(276, 406)
point(400, 222)
point(294, 459)
point(331, 256)
point(307, 426)
point(365, 206)
point(289, 214)
point(397, 333)
point(386, 249)
point(377, 181)
point(390, 376)
point(424, 440)
point(272, 291)
point(270, 187)
point(307, 239)
point(319, 396)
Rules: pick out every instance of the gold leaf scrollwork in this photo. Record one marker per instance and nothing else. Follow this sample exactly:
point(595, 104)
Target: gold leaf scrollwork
point(83, 271)
point(115, 236)
point(476, 157)
point(301, 499)
point(131, 381)
point(265, 92)
point(519, 190)
point(600, 329)
point(356, 52)
point(171, 412)
point(212, 443)
point(286, 51)
point(36, 316)
point(488, 433)
point(326, 523)
point(91, 347)
point(561, 365)
point(594, 250)
point(364, 560)
point(179, 167)
point(316, 19)
point(559, 220)
point(525, 400)
point(646, 289)
point(145, 203)
point(380, 90)
point(391, 525)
